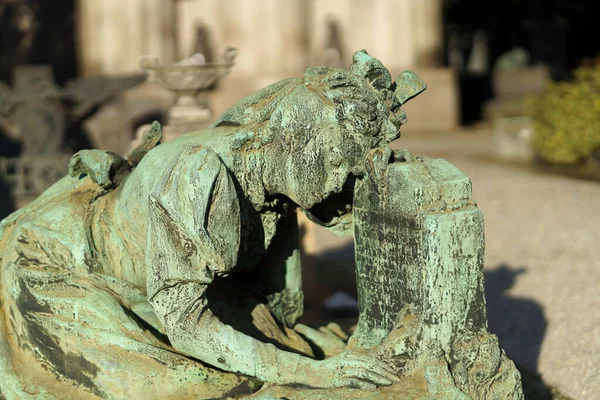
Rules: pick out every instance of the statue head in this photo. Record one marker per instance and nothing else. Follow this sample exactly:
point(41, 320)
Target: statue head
point(321, 127)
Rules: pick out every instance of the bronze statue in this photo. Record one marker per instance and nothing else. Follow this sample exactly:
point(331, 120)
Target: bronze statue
point(175, 273)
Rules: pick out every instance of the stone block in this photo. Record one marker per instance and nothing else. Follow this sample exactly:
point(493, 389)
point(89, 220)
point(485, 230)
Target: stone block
point(419, 242)
point(513, 138)
point(512, 87)
point(518, 82)
point(505, 108)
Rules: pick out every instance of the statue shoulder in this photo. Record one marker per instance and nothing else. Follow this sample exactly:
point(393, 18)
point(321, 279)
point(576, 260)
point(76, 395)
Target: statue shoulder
point(189, 173)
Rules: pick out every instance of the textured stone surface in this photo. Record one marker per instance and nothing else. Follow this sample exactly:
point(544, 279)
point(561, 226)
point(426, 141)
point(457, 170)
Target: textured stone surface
point(429, 258)
point(424, 233)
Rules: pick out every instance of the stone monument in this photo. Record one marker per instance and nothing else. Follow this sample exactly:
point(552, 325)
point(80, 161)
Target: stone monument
point(175, 273)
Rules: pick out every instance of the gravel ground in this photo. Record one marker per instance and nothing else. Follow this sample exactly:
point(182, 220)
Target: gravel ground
point(542, 260)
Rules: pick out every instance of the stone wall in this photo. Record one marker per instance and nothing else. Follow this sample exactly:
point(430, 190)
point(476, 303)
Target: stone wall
point(275, 37)
point(112, 34)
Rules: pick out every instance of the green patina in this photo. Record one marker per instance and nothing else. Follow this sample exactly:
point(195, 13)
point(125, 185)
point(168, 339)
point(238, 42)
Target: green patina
point(175, 273)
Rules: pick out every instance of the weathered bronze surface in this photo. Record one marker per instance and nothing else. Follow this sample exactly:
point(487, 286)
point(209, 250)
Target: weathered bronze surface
point(175, 273)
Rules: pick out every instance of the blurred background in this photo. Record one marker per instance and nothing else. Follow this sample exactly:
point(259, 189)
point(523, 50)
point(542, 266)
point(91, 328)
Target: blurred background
point(513, 100)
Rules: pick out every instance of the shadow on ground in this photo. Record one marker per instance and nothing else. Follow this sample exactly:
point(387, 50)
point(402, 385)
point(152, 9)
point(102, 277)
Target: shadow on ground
point(518, 322)
point(520, 325)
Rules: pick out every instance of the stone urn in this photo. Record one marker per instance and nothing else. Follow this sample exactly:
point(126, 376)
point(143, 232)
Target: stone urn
point(190, 80)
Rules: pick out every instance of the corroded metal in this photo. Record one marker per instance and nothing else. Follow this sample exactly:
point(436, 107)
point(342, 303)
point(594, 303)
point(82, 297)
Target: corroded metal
point(175, 273)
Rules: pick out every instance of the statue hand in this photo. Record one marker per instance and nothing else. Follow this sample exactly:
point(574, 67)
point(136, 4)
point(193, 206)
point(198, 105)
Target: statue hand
point(352, 369)
point(330, 343)
point(377, 161)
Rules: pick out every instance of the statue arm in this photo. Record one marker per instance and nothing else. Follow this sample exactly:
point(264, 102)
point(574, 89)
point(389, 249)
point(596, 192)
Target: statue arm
point(193, 235)
point(193, 329)
point(281, 272)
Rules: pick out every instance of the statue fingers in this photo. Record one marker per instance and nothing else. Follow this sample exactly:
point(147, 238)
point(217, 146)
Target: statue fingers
point(373, 364)
point(329, 343)
point(368, 376)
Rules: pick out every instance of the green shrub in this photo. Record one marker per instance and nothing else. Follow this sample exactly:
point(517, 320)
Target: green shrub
point(566, 119)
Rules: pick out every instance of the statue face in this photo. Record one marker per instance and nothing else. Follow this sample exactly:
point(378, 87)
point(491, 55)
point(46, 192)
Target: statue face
point(325, 126)
point(325, 167)
point(323, 138)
